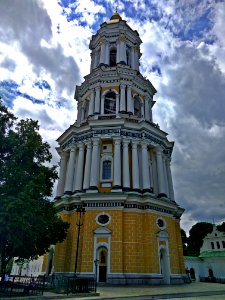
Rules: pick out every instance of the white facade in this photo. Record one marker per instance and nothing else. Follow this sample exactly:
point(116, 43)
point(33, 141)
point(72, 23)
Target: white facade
point(29, 268)
point(211, 261)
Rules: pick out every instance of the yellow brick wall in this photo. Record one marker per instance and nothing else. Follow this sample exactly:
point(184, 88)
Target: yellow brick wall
point(134, 243)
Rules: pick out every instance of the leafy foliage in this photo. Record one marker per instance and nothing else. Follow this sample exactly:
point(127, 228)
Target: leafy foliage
point(28, 221)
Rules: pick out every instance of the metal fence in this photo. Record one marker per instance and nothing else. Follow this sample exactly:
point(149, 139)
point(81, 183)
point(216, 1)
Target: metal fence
point(67, 284)
point(22, 285)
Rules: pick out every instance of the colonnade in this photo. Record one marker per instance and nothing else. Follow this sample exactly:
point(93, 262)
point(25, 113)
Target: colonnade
point(80, 168)
point(124, 103)
point(124, 54)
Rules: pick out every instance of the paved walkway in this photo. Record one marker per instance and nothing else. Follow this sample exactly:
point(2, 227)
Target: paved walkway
point(188, 291)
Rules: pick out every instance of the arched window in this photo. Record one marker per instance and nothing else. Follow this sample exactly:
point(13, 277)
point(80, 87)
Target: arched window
point(112, 57)
point(137, 106)
point(106, 169)
point(110, 103)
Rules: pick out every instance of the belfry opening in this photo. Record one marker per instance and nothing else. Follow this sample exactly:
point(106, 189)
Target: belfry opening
point(115, 184)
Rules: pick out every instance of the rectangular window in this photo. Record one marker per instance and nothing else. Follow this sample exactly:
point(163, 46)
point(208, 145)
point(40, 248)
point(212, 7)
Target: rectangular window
point(218, 245)
point(106, 170)
point(212, 245)
point(223, 242)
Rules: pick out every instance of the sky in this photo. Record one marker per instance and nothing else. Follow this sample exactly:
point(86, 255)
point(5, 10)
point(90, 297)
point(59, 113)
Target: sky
point(44, 54)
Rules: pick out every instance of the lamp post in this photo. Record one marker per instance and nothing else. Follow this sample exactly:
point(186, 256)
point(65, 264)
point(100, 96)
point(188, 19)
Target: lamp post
point(96, 261)
point(80, 221)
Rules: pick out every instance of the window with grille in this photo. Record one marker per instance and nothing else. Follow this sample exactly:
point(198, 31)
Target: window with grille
point(106, 169)
point(112, 57)
point(110, 103)
point(137, 106)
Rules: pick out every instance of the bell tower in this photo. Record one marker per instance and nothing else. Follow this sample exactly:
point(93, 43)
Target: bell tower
point(115, 177)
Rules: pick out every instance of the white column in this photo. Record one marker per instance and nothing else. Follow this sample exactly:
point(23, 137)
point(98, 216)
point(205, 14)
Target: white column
point(117, 164)
point(118, 51)
point(122, 49)
point(102, 103)
point(142, 110)
point(91, 104)
point(79, 109)
point(97, 100)
point(122, 98)
point(132, 58)
point(92, 61)
point(80, 167)
point(135, 166)
point(145, 168)
point(95, 59)
point(130, 103)
point(126, 169)
point(82, 112)
point(136, 58)
point(170, 181)
point(95, 165)
point(102, 53)
point(107, 53)
point(87, 170)
point(161, 182)
point(70, 172)
point(165, 177)
point(147, 108)
point(117, 103)
point(62, 175)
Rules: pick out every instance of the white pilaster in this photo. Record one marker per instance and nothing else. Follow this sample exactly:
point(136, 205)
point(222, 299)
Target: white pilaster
point(142, 110)
point(122, 98)
point(107, 53)
point(161, 181)
point(102, 53)
point(136, 58)
point(147, 108)
point(87, 170)
point(130, 103)
point(145, 168)
point(79, 111)
point(62, 175)
point(95, 165)
point(135, 166)
point(132, 58)
point(123, 58)
point(118, 51)
point(170, 181)
point(70, 172)
point(165, 177)
point(102, 103)
point(80, 167)
point(117, 103)
point(91, 104)
point(117, 164)
point(126, 169)
point(97, 100)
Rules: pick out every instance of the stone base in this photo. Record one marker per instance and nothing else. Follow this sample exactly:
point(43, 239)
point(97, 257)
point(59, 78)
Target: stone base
point(133, 278)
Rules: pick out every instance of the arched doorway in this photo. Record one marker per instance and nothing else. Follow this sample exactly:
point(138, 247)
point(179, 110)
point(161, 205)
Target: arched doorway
point(102, 268)
point(192, 274)
point(164, 266)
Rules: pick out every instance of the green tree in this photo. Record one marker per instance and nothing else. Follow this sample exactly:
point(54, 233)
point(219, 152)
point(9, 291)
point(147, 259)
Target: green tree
point(28, 220)
point(221, 227)
point(196, 236)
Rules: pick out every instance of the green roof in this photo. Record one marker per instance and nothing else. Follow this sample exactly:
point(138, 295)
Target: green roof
point(212, 254)
point(192, 258)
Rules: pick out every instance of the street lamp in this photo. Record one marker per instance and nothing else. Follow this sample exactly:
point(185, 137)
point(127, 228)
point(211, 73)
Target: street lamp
point(96, 261)
point(80, 221)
